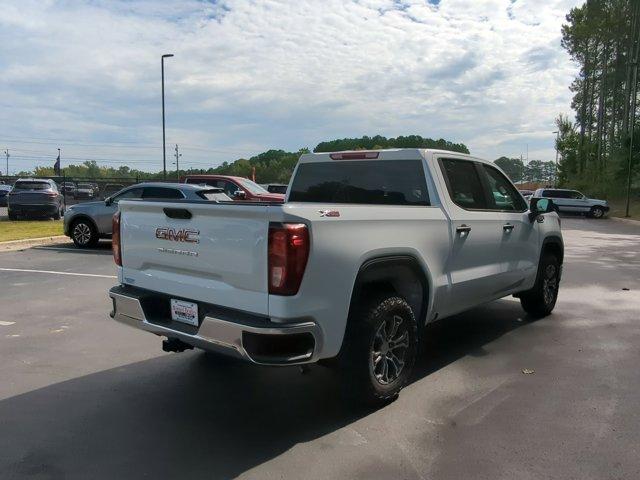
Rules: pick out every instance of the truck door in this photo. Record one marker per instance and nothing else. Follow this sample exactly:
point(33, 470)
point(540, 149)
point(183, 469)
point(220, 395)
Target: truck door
point(475, 271)
point(518, 249)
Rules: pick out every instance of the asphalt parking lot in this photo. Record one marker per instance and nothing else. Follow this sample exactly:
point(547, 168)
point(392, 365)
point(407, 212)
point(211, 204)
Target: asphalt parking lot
point(83, 397)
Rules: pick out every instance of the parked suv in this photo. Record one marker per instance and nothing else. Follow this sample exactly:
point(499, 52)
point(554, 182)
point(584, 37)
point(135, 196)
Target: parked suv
point(369, 247)
point(35, 197)
point(572, 201)
point(4, 193)
point(85, 190)
point(86, 223)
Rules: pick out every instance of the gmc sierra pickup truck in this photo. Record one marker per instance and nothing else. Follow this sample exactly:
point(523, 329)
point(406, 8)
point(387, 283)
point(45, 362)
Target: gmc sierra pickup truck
point(368, 248)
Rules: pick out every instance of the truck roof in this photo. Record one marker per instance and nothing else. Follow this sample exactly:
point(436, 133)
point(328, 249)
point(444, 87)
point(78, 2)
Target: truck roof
point(210, 176)
point(386, 154)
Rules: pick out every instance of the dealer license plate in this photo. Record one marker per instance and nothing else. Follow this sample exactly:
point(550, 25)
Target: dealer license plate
point(185, 312)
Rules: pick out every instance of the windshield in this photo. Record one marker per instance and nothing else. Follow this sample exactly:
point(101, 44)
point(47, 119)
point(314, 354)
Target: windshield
point(32, 186)
point(84, 185)
point(251, 186)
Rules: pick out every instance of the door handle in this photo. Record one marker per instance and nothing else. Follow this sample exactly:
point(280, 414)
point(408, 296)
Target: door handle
point(181, 213)
point(463, 229)
point(507, 228)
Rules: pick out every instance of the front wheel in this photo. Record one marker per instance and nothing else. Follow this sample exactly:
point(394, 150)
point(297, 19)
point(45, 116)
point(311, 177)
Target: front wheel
point(541, 299)
point(380, 348)
point(596, 212)
point(84, 234)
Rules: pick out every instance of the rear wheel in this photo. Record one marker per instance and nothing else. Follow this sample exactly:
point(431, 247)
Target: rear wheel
point(541, 299)
point(12, 216)
point(58, 215)
point(380, 348)
point(596, 212)
point(84, 234)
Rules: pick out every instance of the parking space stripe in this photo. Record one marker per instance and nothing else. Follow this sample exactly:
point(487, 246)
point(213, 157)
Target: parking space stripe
point(26, 270)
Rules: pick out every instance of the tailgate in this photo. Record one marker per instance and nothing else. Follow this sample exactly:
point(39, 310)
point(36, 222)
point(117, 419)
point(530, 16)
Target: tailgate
point(30, 198)
point(217, 256)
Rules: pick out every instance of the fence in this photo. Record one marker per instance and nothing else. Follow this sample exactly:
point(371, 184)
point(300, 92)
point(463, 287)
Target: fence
point(82, 189)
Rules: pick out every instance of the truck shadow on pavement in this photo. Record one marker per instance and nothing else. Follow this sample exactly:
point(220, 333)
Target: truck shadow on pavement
point(102, 248)
point(192, 415)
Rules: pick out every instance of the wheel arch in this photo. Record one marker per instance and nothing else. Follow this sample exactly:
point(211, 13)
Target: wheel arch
point(400, 273)
point(553, 244)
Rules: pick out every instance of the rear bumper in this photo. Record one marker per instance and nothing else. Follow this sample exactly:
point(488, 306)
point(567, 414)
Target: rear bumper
point(33, 209)
point(266, 343)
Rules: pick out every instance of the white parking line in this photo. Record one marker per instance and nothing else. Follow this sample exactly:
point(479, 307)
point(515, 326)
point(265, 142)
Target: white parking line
point(26, 270)
point(6, 324)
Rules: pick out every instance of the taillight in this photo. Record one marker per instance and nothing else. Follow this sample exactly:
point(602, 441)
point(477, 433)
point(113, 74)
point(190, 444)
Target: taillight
point(288, 253)
point(115, 239)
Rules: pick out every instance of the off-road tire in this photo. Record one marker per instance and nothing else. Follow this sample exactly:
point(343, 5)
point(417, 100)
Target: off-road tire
point(84, 233)
point(364, 338)
point(541, 299)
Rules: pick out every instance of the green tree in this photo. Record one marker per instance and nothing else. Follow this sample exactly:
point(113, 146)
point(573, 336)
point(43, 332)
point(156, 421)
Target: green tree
point(513, 167)
point(603, 38)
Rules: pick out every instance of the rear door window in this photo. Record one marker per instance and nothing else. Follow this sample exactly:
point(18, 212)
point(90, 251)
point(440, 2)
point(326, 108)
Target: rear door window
point(463, 183)
point(556, 194)
point(161, 192)
point(377, 182)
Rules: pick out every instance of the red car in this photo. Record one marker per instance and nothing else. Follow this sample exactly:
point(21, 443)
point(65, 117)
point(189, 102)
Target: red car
point(238, 188)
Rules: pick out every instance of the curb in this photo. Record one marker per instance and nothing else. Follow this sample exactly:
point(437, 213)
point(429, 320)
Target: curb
point(628, 221)
point(32, 242)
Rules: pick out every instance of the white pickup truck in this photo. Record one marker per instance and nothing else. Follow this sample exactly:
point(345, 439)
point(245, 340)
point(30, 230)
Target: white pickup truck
point(368, 248)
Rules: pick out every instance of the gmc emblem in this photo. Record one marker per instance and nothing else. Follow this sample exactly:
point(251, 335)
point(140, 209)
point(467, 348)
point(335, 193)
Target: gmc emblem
point(183, 235)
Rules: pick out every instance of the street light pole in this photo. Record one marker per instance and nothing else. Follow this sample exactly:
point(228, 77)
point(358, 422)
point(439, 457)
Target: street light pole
point(164, 147)
point(557, 132)
point(178, 155)
point(6, 152)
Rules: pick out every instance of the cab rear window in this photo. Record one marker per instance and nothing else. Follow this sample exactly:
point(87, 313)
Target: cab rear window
point(377, 182)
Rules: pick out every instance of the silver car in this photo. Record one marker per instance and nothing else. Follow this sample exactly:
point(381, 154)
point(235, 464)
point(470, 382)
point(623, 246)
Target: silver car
point(572, 201)
point(35, 197)
point(86, 223)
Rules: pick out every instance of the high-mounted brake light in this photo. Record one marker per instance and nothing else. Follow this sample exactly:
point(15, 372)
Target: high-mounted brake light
point(354, 155)
point(116, 247)
point(288, 254)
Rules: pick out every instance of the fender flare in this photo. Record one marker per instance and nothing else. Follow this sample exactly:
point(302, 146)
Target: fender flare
point(556, 241)
point(374, 269)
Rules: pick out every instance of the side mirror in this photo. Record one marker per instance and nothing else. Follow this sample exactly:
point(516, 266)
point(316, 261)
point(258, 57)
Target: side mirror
point(539, 206)
point(240, 194)
point(108, 201)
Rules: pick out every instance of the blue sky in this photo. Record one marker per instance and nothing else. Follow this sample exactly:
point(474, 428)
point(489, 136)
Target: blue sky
point(252, 75)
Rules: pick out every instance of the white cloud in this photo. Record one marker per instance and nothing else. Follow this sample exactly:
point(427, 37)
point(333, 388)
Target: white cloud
point(251, 75)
